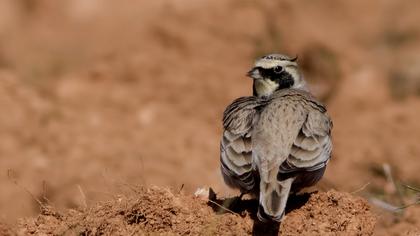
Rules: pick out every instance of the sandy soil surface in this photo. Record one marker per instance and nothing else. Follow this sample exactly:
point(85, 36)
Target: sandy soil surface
point(94, 96)
point(158, 210)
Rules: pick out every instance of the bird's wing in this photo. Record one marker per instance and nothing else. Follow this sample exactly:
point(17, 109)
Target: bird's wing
point(235, 148)
point(312, 147)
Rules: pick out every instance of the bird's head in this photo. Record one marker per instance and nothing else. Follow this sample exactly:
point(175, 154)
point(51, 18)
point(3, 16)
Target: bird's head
point(274, 72)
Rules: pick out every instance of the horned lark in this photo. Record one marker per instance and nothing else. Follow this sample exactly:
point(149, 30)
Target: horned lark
point(277, 141)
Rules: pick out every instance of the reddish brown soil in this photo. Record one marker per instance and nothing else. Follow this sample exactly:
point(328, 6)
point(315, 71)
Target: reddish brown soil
point(160, 211)
point(331, 213)
point(95, 96)
point(6, 230)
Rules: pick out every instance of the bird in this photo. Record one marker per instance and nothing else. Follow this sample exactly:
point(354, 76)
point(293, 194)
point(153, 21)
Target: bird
point(277, 141)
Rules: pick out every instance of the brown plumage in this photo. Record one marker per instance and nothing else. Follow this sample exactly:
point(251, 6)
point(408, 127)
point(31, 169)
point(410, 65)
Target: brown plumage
point(274, 145)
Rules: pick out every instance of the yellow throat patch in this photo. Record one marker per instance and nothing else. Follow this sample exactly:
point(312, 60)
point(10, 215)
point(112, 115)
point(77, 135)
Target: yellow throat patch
point(265, 87)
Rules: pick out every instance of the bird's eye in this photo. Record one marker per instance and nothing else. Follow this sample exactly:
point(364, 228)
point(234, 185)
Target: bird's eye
point(278, 69)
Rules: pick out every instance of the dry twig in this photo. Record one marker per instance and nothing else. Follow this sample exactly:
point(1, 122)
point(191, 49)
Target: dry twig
point(223, 207)
point(12, 178)
point(82, 193)
point(411, 187)
point(361, 188)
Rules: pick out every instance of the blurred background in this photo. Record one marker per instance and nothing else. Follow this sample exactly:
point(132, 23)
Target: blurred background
point(96, 95)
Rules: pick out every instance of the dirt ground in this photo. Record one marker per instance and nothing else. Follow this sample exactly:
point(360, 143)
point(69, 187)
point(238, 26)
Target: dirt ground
point(95, 96)
point(158, 210)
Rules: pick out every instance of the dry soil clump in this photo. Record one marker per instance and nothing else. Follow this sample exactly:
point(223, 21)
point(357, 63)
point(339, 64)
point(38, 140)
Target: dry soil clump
point(158, 210)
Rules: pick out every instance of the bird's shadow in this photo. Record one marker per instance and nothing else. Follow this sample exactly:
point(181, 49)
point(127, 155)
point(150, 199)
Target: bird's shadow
point(235, 205)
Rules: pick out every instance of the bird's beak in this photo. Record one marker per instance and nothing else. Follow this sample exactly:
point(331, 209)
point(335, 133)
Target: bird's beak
point(254, 73)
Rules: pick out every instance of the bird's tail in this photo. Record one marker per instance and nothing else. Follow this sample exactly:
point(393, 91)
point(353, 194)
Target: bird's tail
point(273, 199)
